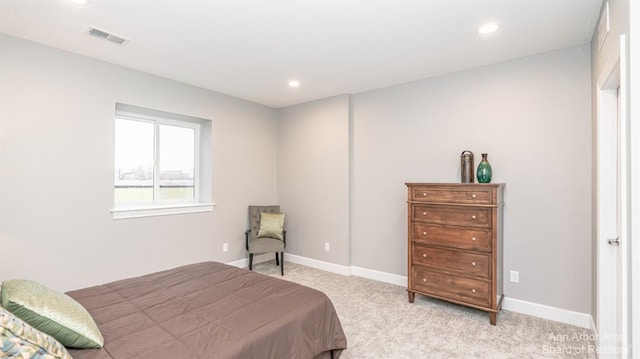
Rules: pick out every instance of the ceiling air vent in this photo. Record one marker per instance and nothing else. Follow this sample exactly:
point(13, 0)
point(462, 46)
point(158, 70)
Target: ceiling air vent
point(104, 35)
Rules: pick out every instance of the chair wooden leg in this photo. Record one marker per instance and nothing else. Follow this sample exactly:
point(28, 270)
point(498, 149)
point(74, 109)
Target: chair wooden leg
point(281, 263)
point(277, 263)
point(250, 261)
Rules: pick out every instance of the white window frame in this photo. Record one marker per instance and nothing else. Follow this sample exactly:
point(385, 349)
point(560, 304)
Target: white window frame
point(159, 207)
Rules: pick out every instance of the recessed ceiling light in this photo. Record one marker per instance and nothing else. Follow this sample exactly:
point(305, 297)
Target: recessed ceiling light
point(80, 2)
point(294, 83)
point(488, 29)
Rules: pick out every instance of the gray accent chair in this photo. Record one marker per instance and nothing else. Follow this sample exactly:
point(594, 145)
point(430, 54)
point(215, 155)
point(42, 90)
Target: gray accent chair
point(257, 245)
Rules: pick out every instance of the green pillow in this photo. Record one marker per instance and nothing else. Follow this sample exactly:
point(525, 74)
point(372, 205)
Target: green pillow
point(51, 312)
point(20, 340)
point(271, 225)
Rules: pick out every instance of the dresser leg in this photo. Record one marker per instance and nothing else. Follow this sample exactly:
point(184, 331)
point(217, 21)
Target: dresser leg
point(492, 318)
point(412, 296)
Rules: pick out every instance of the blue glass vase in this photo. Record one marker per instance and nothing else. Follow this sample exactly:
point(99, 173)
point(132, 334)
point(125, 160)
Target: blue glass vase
point(484, 170)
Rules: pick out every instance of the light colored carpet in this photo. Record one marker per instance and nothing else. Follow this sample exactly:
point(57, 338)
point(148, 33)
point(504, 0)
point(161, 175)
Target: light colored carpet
point(379, 322)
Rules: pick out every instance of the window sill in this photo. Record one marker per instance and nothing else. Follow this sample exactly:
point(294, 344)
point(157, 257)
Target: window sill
point(160, 210)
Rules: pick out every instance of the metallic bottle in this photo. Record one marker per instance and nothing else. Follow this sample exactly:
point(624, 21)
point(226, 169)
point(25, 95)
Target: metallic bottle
point(466, 167)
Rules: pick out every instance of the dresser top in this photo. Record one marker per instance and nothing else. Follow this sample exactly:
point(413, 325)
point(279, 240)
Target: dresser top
point(411, 184)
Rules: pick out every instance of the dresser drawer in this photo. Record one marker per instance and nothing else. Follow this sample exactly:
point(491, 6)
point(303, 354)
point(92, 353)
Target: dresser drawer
point(474, 239)
point(452, 195)
point(460, 216)
point(452, 261)
point(472, 291)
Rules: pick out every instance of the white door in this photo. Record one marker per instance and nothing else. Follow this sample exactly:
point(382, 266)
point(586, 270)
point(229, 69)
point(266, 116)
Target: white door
point(612, 209)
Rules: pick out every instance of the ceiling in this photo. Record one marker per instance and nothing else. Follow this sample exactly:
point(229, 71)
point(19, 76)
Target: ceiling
point(251, 49)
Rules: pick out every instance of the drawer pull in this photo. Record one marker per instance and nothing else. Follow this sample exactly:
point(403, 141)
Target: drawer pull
point(424, 234)
point(473, 216)
point(473, 196)
point(473, 239)
point(424, 255)
point(473, 290)
point(424, 279)
point(424, 213)
point(424, 194)
point(473, 264)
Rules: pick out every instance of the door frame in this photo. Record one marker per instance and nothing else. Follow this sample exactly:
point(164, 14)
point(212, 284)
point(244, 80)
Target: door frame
point(634, 129)
point(612, 128)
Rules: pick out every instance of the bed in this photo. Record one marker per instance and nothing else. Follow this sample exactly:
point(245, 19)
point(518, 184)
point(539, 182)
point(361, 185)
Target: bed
point(210, 310)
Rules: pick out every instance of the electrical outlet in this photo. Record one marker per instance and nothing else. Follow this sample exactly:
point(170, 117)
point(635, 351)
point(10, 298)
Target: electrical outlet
point(326, 246)
point(515, 276)
point(225, 247)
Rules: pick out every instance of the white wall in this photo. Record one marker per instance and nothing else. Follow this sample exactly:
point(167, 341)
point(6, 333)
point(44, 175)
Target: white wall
point(313, 178)
point(56, 170)
point(532, 116)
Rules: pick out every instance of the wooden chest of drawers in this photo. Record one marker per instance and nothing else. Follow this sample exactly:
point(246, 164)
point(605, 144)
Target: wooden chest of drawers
point(455, 243)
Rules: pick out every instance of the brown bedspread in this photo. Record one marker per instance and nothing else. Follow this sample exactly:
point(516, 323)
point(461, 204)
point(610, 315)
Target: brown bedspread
point(210, 310)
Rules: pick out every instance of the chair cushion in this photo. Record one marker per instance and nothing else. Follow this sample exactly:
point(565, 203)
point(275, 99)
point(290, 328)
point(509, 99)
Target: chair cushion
point(266, 245)
point(271, 225)
point(51, 312)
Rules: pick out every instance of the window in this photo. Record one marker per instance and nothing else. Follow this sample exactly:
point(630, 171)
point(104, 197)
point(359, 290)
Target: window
point(158, 163)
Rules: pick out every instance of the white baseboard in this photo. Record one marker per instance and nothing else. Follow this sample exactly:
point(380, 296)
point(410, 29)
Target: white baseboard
point(379, 276)
point(244, 262)
point(322, 265)
point(309, 262)
point(578, 319)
